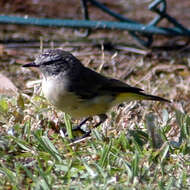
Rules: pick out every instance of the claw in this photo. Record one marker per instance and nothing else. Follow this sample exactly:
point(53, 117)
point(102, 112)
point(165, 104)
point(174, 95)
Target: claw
point(103, 117)
point(78, 127)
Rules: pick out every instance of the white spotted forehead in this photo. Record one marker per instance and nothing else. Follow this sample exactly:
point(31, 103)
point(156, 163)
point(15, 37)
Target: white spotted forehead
point(48, 55)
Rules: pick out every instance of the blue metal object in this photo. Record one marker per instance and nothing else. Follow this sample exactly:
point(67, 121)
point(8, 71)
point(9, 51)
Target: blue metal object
point(138, 35)
point(93, 24)
point(141, 32)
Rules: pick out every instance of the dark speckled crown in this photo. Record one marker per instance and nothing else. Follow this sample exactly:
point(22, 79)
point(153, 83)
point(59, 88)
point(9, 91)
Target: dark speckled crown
point(54, 61)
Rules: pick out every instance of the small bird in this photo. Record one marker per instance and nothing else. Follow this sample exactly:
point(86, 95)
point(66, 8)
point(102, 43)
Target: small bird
point(80, 91)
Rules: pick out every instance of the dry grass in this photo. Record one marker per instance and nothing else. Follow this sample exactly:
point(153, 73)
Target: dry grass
point(142, 145)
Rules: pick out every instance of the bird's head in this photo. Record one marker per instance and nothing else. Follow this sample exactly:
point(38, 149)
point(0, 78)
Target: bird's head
point(53, 61)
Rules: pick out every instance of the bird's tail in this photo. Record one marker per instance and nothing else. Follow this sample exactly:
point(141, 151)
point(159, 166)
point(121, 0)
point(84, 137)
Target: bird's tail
point(122, 97)
point(154, 98)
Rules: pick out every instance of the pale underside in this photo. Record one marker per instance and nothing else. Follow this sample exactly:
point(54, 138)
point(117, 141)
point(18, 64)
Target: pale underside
point(72, 104)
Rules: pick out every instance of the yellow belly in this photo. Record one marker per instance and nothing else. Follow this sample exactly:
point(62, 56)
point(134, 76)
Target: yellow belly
point(72, 104)
point(84, 108)
point(57, 94)
point(78, 108)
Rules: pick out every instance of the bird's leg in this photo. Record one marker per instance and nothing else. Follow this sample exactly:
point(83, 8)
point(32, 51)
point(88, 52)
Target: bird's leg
point(78, 127)
point(103, 117)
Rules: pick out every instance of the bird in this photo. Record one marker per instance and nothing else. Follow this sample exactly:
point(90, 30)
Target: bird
point(80, 91)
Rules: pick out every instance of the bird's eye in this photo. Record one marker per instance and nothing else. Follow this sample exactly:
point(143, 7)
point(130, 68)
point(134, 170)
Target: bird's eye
point(49, 62)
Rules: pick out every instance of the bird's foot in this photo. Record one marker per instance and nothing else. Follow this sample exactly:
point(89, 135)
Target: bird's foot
point(78, 127)
point(103, 117)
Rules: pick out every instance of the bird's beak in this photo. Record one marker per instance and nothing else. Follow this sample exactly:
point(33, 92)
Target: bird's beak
point(33, 64)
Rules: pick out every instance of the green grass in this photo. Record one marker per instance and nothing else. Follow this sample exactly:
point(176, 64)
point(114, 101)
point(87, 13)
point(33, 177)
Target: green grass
point(141, 146)
point(34, 156)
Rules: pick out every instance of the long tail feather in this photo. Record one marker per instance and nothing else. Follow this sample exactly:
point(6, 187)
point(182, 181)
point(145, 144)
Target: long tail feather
point(154, 98)
point(123, 97)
